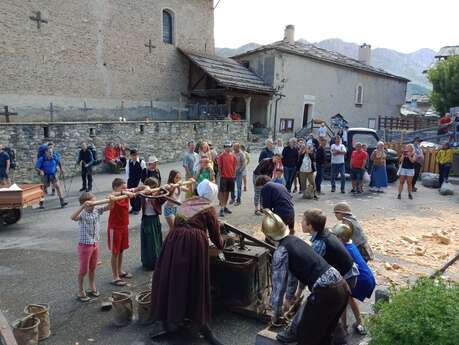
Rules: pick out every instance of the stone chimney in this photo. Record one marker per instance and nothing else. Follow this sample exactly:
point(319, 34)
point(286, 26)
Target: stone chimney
point(289, 36)
point(365, 54)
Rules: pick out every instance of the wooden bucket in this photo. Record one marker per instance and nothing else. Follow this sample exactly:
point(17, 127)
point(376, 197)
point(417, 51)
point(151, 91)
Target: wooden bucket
point(122, 308)
point(40, 311)
point(25, 330)
point(143, 300)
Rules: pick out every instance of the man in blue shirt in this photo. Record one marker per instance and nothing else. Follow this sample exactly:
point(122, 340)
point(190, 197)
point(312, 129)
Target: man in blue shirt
point(4, 166)
point(275, 197)
point(267, 152)
point(47, 167)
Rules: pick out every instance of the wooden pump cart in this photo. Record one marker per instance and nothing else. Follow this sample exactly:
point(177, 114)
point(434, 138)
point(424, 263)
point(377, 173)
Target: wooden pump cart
point(13, 199)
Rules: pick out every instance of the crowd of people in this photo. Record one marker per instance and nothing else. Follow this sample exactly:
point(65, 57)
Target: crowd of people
point(333, 268)
point(191, 218)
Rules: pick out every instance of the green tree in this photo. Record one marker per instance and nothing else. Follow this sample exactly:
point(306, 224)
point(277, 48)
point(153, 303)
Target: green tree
point(445, 80)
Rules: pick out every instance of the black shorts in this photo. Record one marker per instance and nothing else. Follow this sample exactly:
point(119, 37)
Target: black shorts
point(3, 174)
point(226, 185)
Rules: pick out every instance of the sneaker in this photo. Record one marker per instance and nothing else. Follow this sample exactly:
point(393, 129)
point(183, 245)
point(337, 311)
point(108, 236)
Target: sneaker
point(360, 329)
point(343, 192)
point(333, 190)
point(287, 336)
point(399, 197)
point(237, 203)
point(227, 210)
point(315, 197)
point(231, 201)
point(63, 203)
point(222, 212)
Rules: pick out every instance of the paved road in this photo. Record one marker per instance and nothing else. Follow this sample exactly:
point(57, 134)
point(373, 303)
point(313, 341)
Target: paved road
point(38, 264)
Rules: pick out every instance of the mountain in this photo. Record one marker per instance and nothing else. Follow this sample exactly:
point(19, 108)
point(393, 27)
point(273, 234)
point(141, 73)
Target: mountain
point(227, 52)
point(409, 65)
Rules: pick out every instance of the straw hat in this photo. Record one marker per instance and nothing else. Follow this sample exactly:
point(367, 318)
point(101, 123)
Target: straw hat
point(342, 207)
point(273, 226)
point(152, 159)
point(343, 231)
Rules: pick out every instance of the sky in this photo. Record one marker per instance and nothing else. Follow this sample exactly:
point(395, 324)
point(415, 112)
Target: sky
point(402, 25)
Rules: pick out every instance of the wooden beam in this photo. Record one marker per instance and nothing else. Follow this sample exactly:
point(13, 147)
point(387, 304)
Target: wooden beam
point(6, 334)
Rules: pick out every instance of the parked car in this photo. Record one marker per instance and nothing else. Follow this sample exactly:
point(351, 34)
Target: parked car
point(370, 138)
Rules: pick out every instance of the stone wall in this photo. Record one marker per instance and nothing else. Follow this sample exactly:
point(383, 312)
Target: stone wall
point(91, 61)
point(167, 140)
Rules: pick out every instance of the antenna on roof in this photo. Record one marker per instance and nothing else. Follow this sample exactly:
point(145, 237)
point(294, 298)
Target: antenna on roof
point(217, 4)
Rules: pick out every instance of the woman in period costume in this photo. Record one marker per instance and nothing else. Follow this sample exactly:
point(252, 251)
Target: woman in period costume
point(151, 239)
point(181, 281)
point(378, 173)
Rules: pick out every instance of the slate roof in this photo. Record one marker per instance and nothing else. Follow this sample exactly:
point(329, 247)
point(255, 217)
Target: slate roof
point(448, 51)
point(229, 73)
point(314, 52)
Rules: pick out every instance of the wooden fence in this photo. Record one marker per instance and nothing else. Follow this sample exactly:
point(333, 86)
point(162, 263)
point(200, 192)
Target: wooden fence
point(430, 164)
point(406, 123)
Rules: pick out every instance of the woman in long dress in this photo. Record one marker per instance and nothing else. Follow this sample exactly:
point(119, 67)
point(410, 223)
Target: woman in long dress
point(181, 281)
point(378, 173)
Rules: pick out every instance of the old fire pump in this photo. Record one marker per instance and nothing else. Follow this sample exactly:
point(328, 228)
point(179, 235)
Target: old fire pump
point(242, 281)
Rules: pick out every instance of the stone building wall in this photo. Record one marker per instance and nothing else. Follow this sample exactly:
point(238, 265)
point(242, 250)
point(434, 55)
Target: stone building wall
point(328, 89)
point(167, 139)
point(93, 52)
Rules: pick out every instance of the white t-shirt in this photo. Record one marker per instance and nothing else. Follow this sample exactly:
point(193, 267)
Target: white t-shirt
point(322, 132)
point(337, 158)
point(306, 165)
point(345, 136)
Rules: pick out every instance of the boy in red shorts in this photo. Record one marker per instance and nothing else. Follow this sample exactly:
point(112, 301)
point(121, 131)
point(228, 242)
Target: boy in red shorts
point(88, 219)
point(118, 224)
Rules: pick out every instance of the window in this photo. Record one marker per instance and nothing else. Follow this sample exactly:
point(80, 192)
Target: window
point(286, 125)
point(368, 139)
point(46, 132)
point(168, 27)
point(359, 95)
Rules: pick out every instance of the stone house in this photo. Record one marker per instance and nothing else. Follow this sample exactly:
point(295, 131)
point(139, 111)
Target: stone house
point(104, 60)
point(317, 83)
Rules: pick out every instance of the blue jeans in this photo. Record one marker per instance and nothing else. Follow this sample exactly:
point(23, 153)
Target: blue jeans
point(238, 188)
point(444, 172)
point(335, 169)
point(289, 175)
point(319, 176)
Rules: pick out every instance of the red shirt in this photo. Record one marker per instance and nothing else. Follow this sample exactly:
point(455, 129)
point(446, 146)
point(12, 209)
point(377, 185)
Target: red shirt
point(119, 215)
point(227, 164)
point(358, 157)
point(110, 153)
point(445, 120)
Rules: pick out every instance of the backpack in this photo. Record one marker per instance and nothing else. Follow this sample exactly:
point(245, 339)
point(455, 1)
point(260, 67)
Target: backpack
point(12, 153)
point(93, 151)
point(42, 150)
